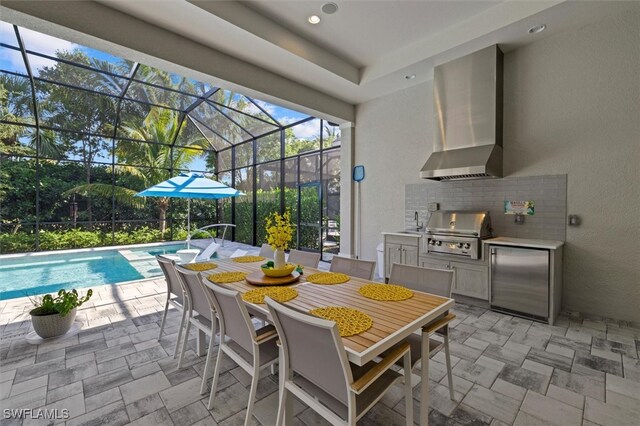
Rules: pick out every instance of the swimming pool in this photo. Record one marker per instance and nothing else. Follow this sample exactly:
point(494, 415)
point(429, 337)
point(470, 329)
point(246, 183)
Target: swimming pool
point(40, 273)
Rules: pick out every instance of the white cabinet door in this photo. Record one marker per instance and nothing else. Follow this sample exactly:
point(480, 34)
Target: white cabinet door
point(410, 255)
point(393, 254)
point(471, 280)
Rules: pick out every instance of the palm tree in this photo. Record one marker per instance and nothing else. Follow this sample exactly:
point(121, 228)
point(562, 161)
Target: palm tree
point(150, 159)
point(16, 106)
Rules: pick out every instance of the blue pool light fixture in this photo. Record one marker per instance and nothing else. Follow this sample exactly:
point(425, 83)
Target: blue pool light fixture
point(190, 185)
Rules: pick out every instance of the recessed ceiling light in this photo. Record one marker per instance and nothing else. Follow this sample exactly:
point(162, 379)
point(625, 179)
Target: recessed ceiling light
point(329, 8)
point(313, 19)
point(410, 76)
point(537, 29)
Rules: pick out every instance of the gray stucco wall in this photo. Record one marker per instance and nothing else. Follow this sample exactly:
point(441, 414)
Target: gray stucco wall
point(571, 106)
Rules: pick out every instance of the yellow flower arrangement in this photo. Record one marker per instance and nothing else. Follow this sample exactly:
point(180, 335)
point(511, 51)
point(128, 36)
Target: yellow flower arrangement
point(279, 230)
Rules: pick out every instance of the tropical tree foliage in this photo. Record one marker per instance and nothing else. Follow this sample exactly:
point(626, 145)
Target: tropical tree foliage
point(97, 149)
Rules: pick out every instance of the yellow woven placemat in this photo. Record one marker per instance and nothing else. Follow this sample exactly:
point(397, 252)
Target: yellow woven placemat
point(248, 259)
point(227, 277)
point(280, 294)
point(350, 321)
point(328, 278)
point(385, 292)
point(200, 266)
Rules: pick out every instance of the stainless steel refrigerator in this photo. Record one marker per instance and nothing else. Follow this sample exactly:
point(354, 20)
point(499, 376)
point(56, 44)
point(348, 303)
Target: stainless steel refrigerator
point(520, 281)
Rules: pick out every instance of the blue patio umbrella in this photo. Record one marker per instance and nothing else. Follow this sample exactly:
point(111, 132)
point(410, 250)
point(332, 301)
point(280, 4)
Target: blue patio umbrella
point(190, 185)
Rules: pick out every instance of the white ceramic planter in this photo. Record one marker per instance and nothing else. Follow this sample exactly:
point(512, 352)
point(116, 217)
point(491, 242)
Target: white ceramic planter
point(53, 325)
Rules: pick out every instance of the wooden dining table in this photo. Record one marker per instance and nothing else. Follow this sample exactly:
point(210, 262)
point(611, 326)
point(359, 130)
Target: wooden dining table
point(393, 321)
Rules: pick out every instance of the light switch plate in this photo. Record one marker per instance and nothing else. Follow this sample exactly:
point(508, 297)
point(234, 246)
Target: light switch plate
point(433, 207)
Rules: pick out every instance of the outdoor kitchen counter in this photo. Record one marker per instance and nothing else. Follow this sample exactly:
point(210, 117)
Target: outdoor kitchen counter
point(404, 234)
point(524, 242)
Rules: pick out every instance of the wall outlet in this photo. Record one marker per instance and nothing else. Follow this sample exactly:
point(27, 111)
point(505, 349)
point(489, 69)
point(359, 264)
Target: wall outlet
point(433, 207)
point(574, 220)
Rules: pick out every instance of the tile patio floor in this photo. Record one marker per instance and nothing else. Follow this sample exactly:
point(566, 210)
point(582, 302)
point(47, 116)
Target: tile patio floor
point(507, 370)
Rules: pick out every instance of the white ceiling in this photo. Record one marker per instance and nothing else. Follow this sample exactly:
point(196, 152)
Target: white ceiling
point(363, 32)
point(365, 49)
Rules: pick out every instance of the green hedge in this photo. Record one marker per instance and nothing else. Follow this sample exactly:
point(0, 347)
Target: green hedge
point(268, 201)
point(22, 242)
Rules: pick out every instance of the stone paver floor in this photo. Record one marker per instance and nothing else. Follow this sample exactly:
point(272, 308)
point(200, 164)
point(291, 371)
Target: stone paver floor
point(507, 370)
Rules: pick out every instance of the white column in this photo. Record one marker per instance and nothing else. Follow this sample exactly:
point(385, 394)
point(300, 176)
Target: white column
point(347, 194)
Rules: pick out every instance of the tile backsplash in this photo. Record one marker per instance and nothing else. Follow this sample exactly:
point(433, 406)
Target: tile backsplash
point(548, 192)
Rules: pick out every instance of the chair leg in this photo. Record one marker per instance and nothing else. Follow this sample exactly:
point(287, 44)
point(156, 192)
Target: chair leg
point(447, 355)
point(164, 317)
point(252, 393)
point(184, 344)
point(408, 389)
point(424, 381)
point(184, 315)
point(282, 400)
point(216, 372)
point(207, 364)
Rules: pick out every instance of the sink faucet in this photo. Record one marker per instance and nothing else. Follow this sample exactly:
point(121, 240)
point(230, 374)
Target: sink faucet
point(418, 225)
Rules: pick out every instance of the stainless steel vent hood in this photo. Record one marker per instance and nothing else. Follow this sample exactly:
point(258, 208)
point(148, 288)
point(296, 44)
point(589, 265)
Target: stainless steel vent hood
point(467, 104)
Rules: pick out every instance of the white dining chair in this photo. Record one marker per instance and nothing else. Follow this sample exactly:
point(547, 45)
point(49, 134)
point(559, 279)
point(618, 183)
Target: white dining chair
point(440, 283)
point(175, 296)
point(304, 258)
point(353, 267)
point(315, 369)
point(266, 251)
point(253, 350)
point(199, 313)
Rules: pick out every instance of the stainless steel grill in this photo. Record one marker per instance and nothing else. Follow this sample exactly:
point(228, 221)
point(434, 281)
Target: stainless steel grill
point(457, 232)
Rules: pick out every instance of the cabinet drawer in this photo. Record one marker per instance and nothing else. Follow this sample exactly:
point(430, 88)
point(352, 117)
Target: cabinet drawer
point(400, 239)
point(430, 263)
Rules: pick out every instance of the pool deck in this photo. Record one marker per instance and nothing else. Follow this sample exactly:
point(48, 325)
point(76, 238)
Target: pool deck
point(116, 368)
point(116, 371)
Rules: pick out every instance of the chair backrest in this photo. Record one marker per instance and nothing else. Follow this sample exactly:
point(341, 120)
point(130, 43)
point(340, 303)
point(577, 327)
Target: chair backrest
point(235, 321)
point(313, 348)
point(194, 291)
point(304, 258)
point(168, 267)
point(353, 267)
point(208, 252)
point(266, 251)
point(429, 280)
point(238, 253)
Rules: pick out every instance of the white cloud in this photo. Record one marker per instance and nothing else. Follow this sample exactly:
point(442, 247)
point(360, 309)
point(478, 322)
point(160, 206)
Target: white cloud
point(307, 130)
point(288, 120)
point(43, 43)
point(10, 60)
point(37, 42)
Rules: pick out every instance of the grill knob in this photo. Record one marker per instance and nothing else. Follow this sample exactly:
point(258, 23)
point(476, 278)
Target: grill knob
point(459, 245)
point(438, 243)
point(432, 242)
point(467, 245)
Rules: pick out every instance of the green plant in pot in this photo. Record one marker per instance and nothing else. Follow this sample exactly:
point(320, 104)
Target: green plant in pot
point(54, 315)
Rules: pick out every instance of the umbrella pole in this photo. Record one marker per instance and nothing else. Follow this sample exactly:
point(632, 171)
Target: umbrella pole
point(188, 223)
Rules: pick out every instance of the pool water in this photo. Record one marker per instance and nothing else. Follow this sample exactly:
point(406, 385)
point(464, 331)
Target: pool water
point(34, 275)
